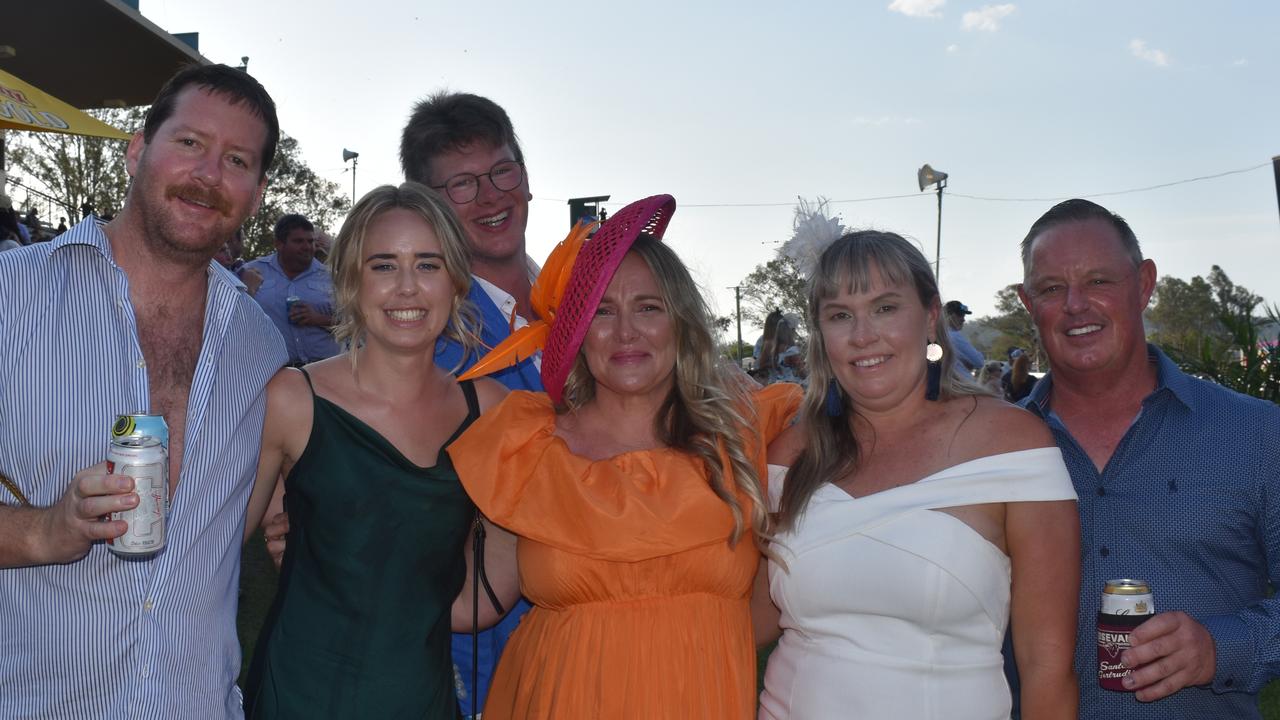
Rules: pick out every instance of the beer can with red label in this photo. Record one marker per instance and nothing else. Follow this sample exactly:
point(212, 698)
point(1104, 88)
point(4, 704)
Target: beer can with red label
point(1126, 604)
point(142, 459)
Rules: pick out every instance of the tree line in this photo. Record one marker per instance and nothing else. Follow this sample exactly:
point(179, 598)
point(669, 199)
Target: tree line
point(78, 171)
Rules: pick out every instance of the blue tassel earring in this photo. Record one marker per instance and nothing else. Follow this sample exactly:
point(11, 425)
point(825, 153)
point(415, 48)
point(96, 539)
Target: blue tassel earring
point(835, 404)
point(933, 381)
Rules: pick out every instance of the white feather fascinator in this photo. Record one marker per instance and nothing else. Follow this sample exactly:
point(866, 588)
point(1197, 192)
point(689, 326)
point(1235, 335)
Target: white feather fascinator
point(813, 231)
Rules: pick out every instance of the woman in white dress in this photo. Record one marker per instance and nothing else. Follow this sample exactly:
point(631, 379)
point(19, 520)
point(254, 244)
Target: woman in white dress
point(917, 517)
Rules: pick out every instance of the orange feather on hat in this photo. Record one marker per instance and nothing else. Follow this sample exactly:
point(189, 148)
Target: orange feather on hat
point(545, 296)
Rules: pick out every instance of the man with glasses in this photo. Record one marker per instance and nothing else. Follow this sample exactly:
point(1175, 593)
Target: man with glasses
point(1178, 480)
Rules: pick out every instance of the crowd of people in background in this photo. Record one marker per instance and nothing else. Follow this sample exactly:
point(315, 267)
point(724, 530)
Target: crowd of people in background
point(539, 492)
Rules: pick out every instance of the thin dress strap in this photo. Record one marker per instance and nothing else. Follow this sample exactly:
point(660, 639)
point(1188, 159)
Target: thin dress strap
point(473, 403)
point(306, 375)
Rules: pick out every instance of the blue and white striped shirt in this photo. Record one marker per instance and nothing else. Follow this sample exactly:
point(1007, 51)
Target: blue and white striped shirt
point(106, 637)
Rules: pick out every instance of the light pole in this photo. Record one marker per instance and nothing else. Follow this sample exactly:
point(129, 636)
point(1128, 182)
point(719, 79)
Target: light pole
point(737, 304)
point(927, 176)
point(353, 156)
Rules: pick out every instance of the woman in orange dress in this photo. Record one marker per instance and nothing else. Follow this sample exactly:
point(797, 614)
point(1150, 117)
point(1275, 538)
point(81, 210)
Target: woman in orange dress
point(635, 487)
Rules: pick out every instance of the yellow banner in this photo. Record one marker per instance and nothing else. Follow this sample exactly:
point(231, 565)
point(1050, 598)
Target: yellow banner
point(25, 107)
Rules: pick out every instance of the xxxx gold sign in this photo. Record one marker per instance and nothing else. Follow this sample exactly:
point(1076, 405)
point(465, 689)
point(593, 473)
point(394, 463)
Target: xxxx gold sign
point(15, 106)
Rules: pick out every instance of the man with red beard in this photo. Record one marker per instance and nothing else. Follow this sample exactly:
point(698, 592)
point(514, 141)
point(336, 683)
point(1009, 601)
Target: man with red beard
point(134, 317)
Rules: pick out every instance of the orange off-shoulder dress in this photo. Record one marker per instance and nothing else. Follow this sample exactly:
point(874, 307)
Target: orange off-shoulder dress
point(641, 607)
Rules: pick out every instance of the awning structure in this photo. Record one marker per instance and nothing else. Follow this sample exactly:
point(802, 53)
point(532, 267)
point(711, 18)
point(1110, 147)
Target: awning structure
point(23, 106)
point(91, 53)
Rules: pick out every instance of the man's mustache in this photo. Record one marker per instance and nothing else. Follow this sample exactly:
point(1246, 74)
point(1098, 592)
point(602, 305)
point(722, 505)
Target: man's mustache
point(193, 192)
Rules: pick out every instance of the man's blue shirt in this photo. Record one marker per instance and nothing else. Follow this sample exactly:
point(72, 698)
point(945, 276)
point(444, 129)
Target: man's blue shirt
point(494, 328)
point(314, 286)
point(1190, 502)
point(103, 637)
point(968, 358)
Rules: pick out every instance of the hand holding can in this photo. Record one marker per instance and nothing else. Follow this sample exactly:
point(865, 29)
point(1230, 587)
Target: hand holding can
point(295, 309)
point(1126, 604)
point(69, 527)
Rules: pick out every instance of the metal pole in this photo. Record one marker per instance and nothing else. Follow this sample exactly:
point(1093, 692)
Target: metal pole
point(1275, 165)
point(356, 161)
point(737, 302)
point(937, 252)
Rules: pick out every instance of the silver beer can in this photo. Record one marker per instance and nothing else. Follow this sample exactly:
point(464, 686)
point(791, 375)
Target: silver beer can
point(143, 459)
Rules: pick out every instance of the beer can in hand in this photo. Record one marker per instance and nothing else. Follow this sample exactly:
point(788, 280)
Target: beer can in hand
point(289, 302)
point(1126, 604)
point(144, 425)
point(142, 459)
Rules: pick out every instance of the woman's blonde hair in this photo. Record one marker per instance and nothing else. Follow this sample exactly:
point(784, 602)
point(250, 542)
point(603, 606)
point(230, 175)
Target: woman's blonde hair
point(346, 260)
point(707, 413)
point(831, 450)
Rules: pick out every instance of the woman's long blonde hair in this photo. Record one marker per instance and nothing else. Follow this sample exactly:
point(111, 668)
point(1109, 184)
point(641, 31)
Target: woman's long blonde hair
point(831, 449)
point(706, 414)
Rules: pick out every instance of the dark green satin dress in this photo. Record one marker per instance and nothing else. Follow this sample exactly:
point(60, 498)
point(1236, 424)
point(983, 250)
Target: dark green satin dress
point(360, 626)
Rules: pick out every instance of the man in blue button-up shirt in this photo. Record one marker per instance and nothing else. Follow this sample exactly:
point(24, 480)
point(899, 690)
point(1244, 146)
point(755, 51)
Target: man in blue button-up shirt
point(297, 291)
point(135, 317)
point(1178, 479)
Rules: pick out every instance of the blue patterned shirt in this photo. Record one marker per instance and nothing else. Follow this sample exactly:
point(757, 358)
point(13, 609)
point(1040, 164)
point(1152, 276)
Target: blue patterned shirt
point(105, 637)
point(1190, 501)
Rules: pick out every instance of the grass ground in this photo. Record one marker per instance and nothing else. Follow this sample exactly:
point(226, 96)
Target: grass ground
point(258, 586)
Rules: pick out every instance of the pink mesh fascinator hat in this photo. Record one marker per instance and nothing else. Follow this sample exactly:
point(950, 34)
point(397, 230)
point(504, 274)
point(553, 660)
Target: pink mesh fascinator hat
point(594, 267)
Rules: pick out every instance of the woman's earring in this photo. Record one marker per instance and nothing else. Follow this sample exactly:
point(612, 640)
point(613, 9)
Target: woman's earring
point(835, 404)
point(933, 353)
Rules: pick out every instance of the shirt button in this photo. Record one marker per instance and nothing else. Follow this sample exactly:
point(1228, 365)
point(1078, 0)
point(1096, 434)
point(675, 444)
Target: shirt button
point(1103, 551)
point(145, 672)
point(1102, 491)
point(142, 363)
point(1229, 682)
point(147, 605)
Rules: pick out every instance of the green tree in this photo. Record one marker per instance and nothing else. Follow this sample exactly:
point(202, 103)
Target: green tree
point(1230, 352)
point(1014, 326)
point(775, 285)
point(293, 187)
point(74, 169)
point(1184, 313)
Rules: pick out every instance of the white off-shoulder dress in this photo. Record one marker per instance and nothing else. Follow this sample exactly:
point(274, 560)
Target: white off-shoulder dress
point(891, 609)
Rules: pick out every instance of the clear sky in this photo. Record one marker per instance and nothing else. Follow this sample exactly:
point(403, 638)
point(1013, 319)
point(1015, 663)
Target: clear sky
point(729, 103)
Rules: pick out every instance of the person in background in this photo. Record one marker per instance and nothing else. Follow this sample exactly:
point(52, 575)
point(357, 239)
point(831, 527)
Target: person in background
point(297, 292)
point(1019, 382)
point(10, 235)
point(324, 244)
point(968, 359)
point(780, 359)
point(1179, 480)
point(134, 317)
point(989, 377)
point(917, 517)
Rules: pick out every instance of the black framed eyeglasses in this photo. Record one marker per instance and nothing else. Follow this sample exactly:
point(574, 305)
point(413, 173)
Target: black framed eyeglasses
point(464, 187)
